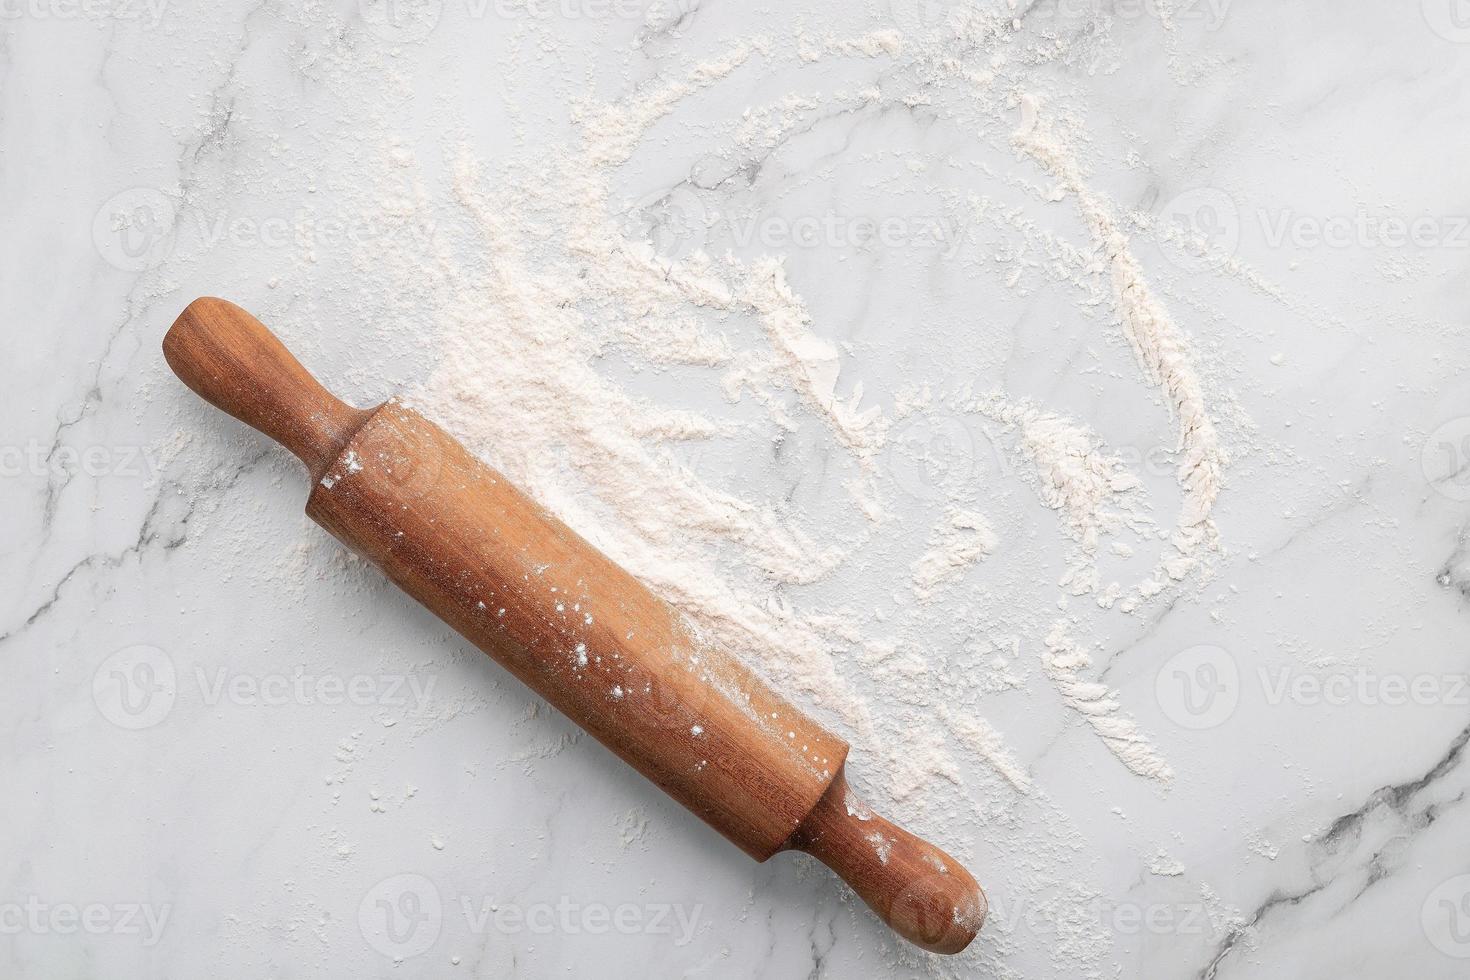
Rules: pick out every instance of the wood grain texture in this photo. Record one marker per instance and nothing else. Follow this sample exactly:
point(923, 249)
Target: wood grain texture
point(247, 372)
point(574, 627)
point(920, 891)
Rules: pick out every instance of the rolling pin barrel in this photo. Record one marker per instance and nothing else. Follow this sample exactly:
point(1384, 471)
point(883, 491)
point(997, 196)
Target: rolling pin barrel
point(576, 628)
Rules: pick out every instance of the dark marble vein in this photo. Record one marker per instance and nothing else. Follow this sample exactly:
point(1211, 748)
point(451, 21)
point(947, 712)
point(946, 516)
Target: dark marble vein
point(1456, 571)
point(150, 532)
point(1345, 829)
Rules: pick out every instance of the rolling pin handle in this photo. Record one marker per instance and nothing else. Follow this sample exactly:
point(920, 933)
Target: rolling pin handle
point(233, 362)
point(922, 893)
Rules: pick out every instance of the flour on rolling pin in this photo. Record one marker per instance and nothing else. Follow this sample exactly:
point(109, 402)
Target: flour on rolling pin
point(576, 628)
point(593, 640)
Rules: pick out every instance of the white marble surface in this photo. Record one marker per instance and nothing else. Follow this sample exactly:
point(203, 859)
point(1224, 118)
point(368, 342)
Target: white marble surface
point(217, 818)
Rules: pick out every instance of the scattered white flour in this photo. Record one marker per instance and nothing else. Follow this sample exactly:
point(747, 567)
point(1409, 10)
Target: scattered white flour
point(1064, 662)
point(882, 846)
point(1164, 866)
point(1157, 342)
point(564, 281)
point(1258, 844)
point(962, 540)
point(1091, 489)
point(871, 45)
point(538, 291)
point(612, 130)
point(633, 828)
point(981, 738)
point(810, 363)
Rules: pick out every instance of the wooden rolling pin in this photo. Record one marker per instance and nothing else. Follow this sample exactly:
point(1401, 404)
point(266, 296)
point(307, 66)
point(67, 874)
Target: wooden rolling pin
point(577, 629)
